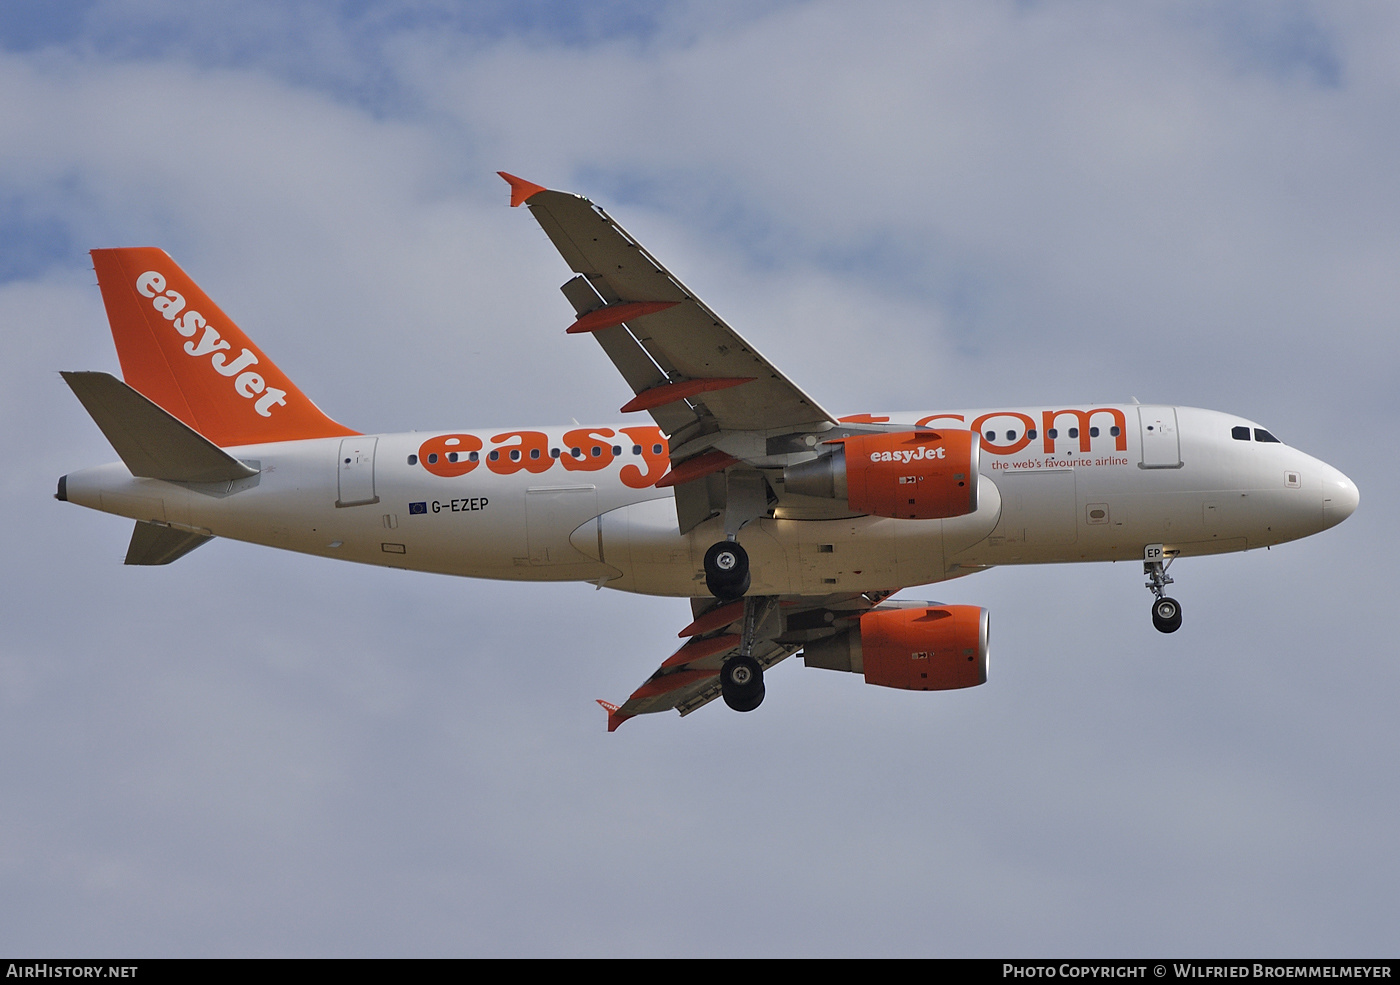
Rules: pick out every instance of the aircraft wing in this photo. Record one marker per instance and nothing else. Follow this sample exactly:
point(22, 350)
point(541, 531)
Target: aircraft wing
point(686, 367)
point(689, 678)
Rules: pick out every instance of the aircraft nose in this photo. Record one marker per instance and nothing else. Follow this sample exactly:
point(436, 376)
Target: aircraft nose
point(1339, 497)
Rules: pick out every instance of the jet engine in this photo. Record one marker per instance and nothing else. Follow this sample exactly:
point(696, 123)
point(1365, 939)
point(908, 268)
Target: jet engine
point(923, 647)
point(913, 475)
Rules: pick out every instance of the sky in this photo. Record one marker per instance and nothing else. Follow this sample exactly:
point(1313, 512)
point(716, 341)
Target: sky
point(924, 205)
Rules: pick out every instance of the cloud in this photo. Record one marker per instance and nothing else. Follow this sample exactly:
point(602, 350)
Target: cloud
point(921, 205)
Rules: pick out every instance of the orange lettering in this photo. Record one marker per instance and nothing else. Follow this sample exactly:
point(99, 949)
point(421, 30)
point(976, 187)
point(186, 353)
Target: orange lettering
point(436, 454)
point(595, 452)
point(657, 462)
point(924, 422)
point(530, 453)
point(1083, 417)
point(1005, 449)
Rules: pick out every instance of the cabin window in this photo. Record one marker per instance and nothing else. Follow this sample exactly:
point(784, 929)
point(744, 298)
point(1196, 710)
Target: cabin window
point(515, 454)
point(1010, 435)
point(494, 456)
point(1053, 433)
point(412, 459)
point(1093, 432)
point(432, 459)
point(656, 449)
point(575, 452)
point(473, 457)
point(1074, 432)
point(617, 449)
point(991, 436)
point(1261, 435)
point(1240, 433)
point(452, 456)
point(534, 453)
point(636, 449)
point(554, 453)
point(1115, 430)
point(1030, 433)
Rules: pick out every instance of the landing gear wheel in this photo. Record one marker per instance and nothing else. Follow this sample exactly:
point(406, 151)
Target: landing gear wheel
point(741, 683)
point(1166, 615)
point(727, 570)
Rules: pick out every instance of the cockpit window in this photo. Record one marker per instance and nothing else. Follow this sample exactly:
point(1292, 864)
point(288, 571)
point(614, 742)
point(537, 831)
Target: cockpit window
point(1240, 433)
point(1261, 435)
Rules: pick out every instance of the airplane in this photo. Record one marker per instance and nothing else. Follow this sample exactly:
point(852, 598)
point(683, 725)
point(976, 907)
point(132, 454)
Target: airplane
point(788, 528)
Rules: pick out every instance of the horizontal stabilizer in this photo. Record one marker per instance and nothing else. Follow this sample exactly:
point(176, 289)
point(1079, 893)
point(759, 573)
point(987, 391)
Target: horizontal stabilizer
point(151, 442)
point(153, 544)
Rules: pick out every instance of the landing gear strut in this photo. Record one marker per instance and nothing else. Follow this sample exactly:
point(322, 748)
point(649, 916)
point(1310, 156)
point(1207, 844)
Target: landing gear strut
point(741, 676)
point(727, 570)
point(1166, 612)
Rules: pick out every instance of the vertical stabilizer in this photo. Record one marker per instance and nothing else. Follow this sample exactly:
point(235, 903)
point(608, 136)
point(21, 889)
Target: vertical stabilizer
point(182, 352)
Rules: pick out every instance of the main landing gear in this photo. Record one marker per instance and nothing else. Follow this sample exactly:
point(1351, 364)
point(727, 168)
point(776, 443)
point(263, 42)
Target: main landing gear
point(741, 683)
point(741, 676)
point(1166, 612)
point(727, 578)
point(727, 570)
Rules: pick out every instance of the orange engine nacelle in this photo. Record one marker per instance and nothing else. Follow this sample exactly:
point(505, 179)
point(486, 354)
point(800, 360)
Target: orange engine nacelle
point(913, 475)
point(923, 648)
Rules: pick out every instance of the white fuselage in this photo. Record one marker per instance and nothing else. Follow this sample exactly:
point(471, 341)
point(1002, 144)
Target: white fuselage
point(1148, 475)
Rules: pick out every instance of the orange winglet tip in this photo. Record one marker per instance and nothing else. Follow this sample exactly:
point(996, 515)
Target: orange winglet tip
point(669, 393)
point(615, 716)
point(615, 314)
point(696, 468)
point(520, 189)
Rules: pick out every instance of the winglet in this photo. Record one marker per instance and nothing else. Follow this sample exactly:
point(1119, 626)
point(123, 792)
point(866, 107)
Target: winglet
point(520, 189)
point(615, 717)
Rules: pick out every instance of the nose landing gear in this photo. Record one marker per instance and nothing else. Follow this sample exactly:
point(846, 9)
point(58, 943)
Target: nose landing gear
point(1166, 615)
point(1166, 612)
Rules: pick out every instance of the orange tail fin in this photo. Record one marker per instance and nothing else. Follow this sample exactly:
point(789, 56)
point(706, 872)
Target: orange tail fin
point(178, 349)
